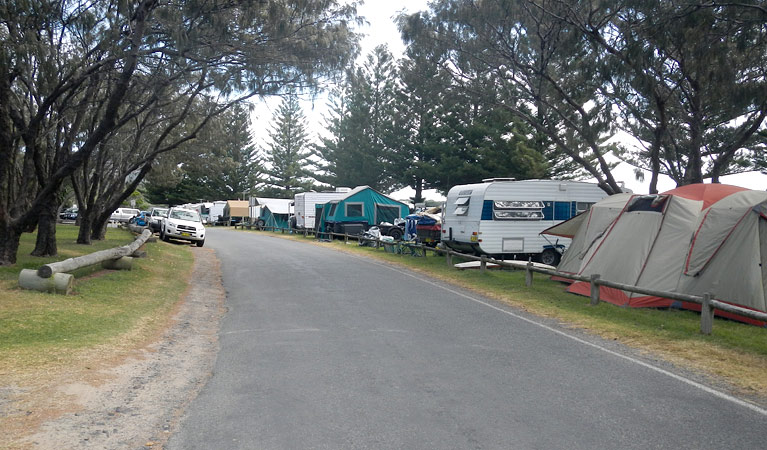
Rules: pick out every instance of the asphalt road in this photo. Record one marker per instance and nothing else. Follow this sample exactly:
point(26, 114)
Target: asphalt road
point(326, 350)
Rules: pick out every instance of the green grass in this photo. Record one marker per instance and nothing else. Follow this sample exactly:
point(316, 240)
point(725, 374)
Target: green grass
point(734, 350)
point(106, 306)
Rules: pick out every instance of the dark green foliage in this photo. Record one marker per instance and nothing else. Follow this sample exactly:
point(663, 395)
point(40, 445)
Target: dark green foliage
point(220, 165)
point(287, 154)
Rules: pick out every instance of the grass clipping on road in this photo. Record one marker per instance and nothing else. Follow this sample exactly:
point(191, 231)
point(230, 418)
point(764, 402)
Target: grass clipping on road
point(44, 337)
point(734, 352)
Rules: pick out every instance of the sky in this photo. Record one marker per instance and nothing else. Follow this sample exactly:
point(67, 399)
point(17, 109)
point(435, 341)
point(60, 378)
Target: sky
point(381, 29)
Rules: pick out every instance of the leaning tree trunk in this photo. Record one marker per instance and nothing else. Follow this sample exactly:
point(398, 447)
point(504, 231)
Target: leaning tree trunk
point(46, 231)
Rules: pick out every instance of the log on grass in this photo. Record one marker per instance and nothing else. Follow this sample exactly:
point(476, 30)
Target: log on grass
point(59, 283)
point(71, 264)
point(124, 263)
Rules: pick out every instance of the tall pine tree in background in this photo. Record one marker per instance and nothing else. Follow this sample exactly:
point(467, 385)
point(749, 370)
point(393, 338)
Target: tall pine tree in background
point(222, 164)
point(359, 148)
point(287, 154)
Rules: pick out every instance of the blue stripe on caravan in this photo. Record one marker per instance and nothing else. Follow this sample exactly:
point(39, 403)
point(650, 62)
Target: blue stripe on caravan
point(548, 210)
point(487, 210)
point(573, 209)
point(561, 210)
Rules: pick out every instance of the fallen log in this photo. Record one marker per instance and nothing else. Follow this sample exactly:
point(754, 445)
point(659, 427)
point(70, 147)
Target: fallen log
point(68, 265)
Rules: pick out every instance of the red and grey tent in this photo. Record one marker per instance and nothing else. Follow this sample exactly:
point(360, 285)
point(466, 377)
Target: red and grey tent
point(696, 239)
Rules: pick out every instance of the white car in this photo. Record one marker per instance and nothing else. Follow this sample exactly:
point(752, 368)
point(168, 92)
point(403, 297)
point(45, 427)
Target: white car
point(156, 217)
point(183, 224)
point(123, 214)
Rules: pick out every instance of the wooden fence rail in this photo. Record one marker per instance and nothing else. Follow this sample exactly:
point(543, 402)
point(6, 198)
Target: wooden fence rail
point(708, 304)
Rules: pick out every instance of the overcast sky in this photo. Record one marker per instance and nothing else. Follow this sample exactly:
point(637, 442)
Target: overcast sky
point(381, 29)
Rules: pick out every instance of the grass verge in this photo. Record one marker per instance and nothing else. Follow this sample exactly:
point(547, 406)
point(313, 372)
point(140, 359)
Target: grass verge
point(39, 328)
point(45, 337)
point(734, 352)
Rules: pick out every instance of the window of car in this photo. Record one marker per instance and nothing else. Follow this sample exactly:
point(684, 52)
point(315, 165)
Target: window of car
point(180, 214)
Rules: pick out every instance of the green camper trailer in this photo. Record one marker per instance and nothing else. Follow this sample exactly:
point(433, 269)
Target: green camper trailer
point(362, 208)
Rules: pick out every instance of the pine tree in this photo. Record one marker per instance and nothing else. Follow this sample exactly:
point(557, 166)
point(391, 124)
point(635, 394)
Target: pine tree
point(361, 124)
point(287, 154)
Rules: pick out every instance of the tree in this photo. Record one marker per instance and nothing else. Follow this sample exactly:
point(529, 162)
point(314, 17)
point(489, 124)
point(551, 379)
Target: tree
point(81, 64)
point(220, 164)
point(361, 126)
point(545, 69)
point(287, 152)
point(690, 77)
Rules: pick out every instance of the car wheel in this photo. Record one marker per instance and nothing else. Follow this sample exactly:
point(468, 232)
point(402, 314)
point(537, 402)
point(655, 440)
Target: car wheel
point(550, 257)
point(200, 243)
point(395, 233)
point(164, 236)
point(260, 223)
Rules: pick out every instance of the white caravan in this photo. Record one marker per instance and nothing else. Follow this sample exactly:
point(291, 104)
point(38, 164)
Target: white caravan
point(305, 205)
point(504, 218)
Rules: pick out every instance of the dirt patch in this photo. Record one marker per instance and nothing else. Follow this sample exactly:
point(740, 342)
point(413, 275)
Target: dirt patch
point(124, 402)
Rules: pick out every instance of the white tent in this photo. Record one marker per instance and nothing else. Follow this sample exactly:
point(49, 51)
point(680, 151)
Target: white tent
point(701, 238)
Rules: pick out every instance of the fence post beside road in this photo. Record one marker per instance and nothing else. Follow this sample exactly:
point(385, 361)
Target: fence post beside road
point(482, 264)
point(706, 315)
point(594, 289)
point(529, 274)
point(449, 258)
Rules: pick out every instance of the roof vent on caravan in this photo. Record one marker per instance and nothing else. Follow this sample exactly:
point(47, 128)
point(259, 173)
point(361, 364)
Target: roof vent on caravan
point(491, 180)
point(343, 189)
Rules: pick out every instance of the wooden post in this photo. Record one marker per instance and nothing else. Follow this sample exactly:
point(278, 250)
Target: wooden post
point(449, 258)
point(482, 264)
point(305, 232)
point(594, 289)
point(529, 274)
point(57, 283)
point(346, 237)
point(706, 315)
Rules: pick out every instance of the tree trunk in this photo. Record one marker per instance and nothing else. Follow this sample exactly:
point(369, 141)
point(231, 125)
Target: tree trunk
point(99, 228)
point(46, 230)
point(84, 235)
point(9, 244)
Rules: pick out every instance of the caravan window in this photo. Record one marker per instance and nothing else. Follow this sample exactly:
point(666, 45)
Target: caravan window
point(581, 207)
point(517, 210)
point(332, 209)
point(461, 206)
point(353, 209)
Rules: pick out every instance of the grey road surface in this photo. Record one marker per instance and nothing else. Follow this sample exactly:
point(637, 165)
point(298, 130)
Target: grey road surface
point(326, 350)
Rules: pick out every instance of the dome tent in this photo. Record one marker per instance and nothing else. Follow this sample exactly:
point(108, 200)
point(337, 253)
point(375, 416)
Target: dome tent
point(696, 239)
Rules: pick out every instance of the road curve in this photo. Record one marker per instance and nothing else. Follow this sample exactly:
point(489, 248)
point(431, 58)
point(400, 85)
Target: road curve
point(325, 350)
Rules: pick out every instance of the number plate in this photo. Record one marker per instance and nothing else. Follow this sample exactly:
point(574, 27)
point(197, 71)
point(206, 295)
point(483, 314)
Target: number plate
point(185, 234)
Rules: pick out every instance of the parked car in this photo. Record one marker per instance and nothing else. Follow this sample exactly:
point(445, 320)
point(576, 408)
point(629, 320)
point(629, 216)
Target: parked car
point(183, 224)
point(155, 219)
point(68, 214)
point(123, 214)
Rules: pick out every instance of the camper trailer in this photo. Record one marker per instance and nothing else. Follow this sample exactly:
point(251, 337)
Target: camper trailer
point(306, 205)
point(503, 218)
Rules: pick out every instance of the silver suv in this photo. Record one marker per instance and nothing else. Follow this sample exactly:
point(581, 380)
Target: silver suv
point(183, 224)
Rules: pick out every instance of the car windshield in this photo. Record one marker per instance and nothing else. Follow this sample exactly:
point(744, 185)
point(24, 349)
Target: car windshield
point(185, 215)
point(159, 212)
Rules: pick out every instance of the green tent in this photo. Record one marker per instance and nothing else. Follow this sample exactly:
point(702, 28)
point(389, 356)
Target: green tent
point(362, 208)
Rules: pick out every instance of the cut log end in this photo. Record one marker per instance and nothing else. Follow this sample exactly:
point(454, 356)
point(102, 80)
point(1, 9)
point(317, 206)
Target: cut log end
point(59, 283)
point(44, 271)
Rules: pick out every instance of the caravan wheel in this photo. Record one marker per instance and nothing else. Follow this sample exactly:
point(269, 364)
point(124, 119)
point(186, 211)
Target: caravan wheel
point(550, 257)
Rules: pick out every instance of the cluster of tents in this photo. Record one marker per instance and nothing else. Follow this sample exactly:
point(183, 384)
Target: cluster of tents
point(696, 239)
